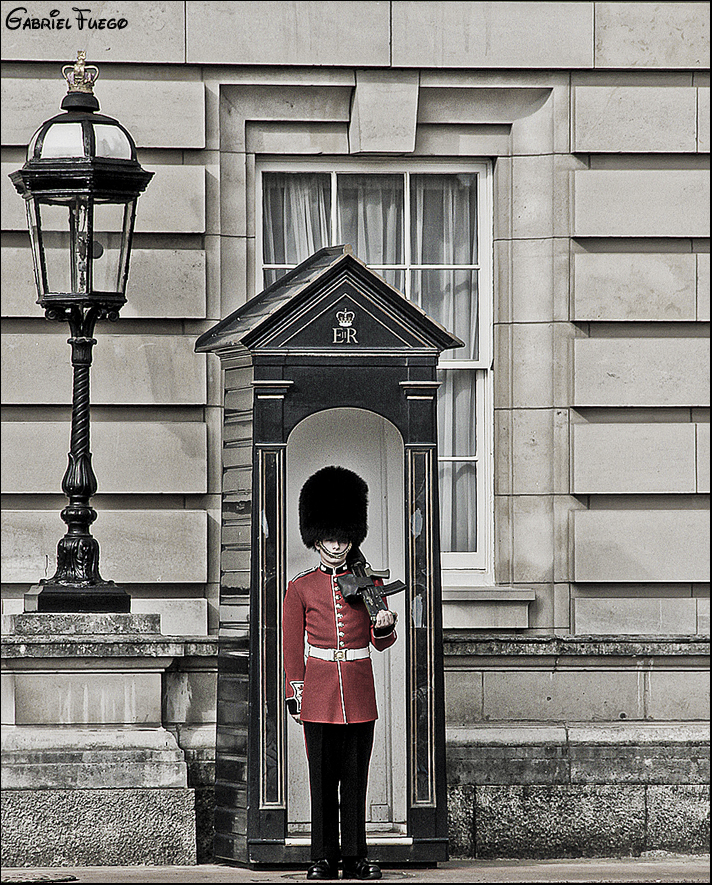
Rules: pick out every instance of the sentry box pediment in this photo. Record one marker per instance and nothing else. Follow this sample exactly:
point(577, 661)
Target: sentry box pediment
point(331, 305)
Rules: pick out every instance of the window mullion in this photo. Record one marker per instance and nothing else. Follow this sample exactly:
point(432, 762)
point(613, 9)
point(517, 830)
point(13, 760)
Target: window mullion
point(334, 227)
point(406, 234)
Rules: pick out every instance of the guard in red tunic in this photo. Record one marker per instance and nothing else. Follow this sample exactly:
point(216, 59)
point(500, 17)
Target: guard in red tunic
point(329, 679)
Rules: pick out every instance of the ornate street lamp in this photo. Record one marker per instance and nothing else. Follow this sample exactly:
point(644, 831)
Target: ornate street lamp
point(81, 183)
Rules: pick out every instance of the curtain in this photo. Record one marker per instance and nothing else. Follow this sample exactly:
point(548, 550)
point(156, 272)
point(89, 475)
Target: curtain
point(370, 216)
point(457, 449)
point(296, 216)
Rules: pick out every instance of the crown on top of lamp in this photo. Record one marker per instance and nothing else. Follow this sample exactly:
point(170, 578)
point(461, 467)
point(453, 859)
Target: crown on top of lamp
point(79, 76)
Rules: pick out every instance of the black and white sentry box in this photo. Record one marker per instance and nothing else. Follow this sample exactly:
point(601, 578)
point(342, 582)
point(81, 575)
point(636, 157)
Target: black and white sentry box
point(328, 365)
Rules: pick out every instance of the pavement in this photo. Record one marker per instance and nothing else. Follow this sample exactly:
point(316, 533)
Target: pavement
point(649, 868)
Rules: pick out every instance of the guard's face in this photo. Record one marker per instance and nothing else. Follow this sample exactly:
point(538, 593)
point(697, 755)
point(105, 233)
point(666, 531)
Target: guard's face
point(333, 553)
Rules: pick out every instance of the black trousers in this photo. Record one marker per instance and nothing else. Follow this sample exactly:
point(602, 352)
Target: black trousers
point(338, 757)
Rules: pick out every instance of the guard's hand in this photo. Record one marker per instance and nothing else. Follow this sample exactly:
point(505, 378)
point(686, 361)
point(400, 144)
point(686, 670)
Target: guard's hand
point(385, 618)
point(296, 718)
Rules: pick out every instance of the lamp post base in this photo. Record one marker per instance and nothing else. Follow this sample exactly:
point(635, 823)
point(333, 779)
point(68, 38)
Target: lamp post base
point(102, 597)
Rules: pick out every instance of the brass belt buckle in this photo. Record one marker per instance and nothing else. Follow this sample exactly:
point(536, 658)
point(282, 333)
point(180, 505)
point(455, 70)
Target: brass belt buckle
point(339, 654)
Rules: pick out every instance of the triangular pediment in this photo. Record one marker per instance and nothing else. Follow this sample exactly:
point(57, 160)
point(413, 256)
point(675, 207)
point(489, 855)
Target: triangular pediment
point(330, 304)
point(345, 314)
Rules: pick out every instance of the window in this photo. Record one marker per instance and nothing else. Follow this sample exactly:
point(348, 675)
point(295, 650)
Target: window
point(427, 231)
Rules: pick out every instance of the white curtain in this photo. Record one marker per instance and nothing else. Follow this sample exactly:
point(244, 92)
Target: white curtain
point(458, 477)
point(370, 216)
point(443, 224)
point(296, 216)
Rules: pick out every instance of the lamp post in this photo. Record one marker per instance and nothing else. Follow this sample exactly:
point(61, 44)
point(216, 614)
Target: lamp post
point(81, 183)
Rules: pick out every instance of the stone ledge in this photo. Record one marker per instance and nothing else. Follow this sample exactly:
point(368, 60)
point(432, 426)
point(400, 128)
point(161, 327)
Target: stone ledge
point(486, 608)
point(122, 771)
point(18, 648)
point(470, 643)
point(453, 593)
point(80, 624)
point(178, 616)
point(69, 757)
point(580, 753)
point(580, 733)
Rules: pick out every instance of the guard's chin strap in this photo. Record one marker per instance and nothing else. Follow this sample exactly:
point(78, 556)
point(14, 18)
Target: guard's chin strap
point(324, 552)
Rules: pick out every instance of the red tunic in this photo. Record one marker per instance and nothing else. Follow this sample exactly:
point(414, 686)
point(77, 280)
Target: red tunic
point(328, 691)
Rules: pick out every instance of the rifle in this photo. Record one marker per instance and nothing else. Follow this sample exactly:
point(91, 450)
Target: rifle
point(360, 585)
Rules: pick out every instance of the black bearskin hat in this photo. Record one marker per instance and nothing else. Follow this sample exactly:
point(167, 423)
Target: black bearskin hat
point(333, 505)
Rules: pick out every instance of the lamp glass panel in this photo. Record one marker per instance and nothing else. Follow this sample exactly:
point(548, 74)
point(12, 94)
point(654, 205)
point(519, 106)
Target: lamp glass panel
point(53, 249)
point(34, 225)
point(63, 140)
point(126, 240)
point(110, 141)
point(109, 255)
point(31, 145)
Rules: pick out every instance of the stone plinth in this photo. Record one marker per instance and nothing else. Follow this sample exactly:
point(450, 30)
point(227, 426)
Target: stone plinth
point(107, 827)
point(90, 774)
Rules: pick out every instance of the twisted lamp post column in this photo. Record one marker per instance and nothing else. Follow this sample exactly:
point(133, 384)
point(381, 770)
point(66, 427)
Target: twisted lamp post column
point(78, 550)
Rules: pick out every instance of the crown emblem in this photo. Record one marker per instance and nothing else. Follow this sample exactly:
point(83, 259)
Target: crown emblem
point(80, 76)
point(345, 317)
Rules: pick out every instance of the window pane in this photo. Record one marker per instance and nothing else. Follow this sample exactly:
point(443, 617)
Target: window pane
point(451, 298)
point(273, 274)
point(370, 216)
point(458, 506)
point(457, 408)
point(395, 277)
point(457, 438)
point(296, 210)
point(443, 223)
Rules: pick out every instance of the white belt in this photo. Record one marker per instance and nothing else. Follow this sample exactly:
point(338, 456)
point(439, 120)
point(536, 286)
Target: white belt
point(339, 654)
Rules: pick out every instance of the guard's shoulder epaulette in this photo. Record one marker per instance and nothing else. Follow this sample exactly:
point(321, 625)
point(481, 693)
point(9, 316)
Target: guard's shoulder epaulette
point(306, 572)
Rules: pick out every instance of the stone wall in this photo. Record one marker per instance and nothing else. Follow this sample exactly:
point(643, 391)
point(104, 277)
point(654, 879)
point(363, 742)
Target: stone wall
point(574, 746)
point(598, 142)
point(108, 741)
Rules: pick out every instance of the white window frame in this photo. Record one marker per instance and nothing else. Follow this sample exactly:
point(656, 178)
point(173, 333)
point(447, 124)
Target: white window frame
point(459, 568)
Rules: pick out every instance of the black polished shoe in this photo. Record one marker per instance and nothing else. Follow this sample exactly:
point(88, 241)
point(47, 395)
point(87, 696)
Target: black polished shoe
point(323, 869)
point(361, 868)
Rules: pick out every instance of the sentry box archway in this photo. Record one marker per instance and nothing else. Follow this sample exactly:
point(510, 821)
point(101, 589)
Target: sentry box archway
point(328, 335)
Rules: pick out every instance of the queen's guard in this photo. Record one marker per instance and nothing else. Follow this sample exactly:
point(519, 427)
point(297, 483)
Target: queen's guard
point(329, 680)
